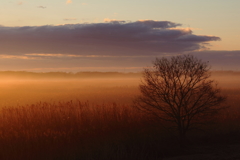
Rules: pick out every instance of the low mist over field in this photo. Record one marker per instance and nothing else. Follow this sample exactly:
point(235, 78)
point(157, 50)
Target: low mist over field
point(27, 88)
point(95, 87)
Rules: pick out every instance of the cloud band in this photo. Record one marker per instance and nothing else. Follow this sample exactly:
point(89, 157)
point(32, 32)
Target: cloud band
point(146, 37)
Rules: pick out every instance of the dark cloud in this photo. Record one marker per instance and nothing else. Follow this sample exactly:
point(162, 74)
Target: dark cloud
point(42, 7)
point(113, 38)
point(197, 38)
point(220, 60)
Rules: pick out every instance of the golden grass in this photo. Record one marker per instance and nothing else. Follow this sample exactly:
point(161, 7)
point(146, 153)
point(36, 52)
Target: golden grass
point(68, 128)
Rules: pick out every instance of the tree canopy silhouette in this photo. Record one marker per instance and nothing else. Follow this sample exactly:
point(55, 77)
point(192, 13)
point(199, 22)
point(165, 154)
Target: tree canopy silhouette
point(178, 90)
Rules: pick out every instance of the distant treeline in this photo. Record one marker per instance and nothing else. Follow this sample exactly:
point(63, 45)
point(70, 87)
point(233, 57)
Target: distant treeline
point(24, 74)
point(226, 73)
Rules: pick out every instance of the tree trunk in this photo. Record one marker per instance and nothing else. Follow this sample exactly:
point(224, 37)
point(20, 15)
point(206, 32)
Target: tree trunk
point(182, 137)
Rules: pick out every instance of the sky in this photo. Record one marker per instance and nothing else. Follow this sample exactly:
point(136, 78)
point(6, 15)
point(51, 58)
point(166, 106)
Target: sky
point(114, 35)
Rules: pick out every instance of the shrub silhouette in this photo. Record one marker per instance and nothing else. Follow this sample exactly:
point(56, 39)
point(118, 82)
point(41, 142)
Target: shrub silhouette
point(178, 90)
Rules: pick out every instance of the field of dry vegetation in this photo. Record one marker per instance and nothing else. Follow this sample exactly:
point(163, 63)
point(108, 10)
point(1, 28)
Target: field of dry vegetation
point(89, 116)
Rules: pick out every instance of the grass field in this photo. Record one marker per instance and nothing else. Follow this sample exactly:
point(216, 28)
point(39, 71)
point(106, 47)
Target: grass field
point(89, 116)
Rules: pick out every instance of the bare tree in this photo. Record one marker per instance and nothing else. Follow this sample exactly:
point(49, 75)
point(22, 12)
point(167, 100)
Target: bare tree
point(178, 90)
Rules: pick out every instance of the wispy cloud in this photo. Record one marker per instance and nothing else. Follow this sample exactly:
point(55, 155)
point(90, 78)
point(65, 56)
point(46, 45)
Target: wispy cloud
point(68, 1)
point(113, 20)
point(69, 19)
point(41, 55)
point(16, 57)
point(42, 7)
point(20, 3)
point(84, 4)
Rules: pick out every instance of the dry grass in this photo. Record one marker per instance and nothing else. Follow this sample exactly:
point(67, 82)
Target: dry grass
point(103, 125)
point(72, 129)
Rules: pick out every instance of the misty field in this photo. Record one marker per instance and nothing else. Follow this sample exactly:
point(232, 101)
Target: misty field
point(90, 116)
